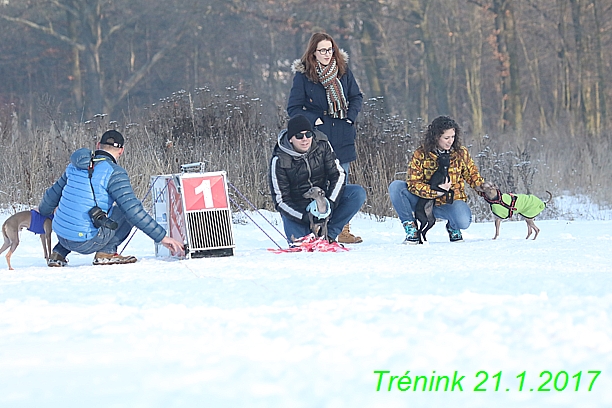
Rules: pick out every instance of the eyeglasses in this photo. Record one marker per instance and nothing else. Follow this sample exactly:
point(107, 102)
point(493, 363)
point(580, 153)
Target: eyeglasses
point(325, 51)
point(300, 136)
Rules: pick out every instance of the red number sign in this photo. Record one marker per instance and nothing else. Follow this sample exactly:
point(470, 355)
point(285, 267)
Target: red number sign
point(203, 193)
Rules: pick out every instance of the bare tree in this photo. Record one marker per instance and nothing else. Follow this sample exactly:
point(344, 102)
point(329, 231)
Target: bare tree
point(93, 29)
point(506, 44)
point(502, 65)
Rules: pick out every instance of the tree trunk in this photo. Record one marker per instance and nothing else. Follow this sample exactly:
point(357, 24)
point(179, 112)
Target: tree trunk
point(471, 55)
point(437, 78)
point(91, 31)
point(563, 97)
point(602, 111)
point(579, 109)
point(507, 54)
point(368, 51)
point(516, 103)
point(533, 66)
point(76, 80)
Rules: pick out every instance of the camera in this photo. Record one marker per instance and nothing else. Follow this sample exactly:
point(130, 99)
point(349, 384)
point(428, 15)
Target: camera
point(99, 219)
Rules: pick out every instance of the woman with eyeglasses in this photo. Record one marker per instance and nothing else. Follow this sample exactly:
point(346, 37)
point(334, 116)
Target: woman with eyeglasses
point(326, 92)
point(301, 159)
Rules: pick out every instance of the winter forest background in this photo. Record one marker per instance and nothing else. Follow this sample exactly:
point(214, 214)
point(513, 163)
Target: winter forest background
point(207, 80)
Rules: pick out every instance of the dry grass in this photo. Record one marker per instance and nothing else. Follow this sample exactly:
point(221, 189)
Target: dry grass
point(228, 131)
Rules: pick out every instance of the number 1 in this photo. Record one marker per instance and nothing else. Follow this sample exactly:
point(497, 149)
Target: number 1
point(498, 376)
point(577, 377)
point(206, 191)
point(522, 377)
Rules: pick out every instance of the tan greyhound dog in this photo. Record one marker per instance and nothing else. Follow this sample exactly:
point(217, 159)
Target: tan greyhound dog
point(31, 220)
point(505, 205)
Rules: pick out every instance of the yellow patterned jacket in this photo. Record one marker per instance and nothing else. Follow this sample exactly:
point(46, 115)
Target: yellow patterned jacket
point(462, 169)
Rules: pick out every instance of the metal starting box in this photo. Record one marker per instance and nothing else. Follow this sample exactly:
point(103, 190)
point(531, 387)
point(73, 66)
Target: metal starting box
point(193, 206)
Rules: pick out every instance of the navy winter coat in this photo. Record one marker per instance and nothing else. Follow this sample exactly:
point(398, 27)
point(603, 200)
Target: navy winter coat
point(72, 195)
point(308, 98)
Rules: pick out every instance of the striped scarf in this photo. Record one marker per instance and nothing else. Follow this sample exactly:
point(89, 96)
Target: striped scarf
point(336, 102)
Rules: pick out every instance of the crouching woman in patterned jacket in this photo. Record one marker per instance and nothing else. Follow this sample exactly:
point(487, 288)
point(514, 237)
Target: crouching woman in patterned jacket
point(442, 136)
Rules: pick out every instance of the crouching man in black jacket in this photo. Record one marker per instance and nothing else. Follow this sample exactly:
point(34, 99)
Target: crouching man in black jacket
point(301, 159)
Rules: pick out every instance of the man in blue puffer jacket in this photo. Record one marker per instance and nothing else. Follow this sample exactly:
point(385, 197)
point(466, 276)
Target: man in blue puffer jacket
point(83, 187)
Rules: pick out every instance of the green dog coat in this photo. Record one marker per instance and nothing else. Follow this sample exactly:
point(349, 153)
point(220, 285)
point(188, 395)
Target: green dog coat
point(505, 205)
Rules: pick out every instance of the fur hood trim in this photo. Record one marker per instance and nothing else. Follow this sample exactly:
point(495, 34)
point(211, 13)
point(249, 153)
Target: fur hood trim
point(298, 65)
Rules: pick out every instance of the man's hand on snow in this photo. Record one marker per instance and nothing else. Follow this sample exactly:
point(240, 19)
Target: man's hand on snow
point(175, 247)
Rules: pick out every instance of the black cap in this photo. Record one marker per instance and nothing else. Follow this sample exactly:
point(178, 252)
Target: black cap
point(297, 124)
point(112, 138)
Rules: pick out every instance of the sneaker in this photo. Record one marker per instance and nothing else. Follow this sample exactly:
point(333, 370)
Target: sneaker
point(345, 237)
point(454, 234)
point(102, 258)
point(412, 235)
point(56, 260)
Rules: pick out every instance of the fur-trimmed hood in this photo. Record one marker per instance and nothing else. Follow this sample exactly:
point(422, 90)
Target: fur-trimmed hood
point(298, 64)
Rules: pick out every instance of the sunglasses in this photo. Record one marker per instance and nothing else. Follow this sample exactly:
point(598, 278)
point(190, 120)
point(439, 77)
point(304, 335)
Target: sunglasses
point(300, 136)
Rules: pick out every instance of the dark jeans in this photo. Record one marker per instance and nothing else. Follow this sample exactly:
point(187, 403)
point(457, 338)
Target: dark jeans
point(106, 240)
point(352, 199)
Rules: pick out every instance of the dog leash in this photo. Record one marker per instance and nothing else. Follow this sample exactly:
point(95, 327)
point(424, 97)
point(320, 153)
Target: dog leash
point(253, 221)
point(256, 210)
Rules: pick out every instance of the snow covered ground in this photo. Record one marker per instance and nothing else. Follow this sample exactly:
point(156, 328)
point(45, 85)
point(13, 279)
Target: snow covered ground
point(319, 329)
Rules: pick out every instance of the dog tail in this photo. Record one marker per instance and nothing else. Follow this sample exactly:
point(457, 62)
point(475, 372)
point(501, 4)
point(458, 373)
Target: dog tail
point(7, 241)
point(549, 197)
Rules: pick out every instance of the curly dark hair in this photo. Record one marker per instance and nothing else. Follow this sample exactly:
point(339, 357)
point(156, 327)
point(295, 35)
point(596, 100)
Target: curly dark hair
point(435, 130)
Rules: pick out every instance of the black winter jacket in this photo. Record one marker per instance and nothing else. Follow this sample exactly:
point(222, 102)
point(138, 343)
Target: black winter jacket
point(293, 173)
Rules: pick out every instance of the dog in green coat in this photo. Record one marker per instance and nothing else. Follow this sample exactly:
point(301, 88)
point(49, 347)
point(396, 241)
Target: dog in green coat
point(507, 204)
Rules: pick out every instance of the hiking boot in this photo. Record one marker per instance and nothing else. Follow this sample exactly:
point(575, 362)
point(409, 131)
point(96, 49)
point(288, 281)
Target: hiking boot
point(56, 260)
point(345, 237)
point(102, 258)
point(412, 235)
point(453, 234)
